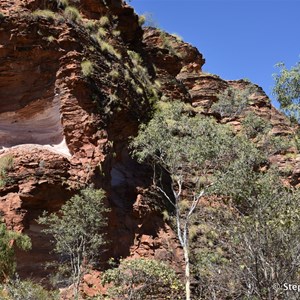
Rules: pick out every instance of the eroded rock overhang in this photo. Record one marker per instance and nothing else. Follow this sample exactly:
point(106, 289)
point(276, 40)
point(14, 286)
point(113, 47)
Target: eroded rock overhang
point(30, 103)
point(38, 124)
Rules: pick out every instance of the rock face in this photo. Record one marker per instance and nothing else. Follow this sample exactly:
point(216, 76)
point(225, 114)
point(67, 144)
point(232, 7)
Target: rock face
point(64, 130)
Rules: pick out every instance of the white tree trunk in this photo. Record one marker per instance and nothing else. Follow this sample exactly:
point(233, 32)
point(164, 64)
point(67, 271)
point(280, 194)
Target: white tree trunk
point(187, 273)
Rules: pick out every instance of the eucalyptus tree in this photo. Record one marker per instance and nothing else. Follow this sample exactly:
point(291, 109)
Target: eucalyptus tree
point(77, 232)
point(183, 150)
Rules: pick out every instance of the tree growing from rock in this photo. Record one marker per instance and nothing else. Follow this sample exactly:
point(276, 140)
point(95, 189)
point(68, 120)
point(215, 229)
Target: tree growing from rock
point(183, 150)
point(287, 90)
point(77, 232)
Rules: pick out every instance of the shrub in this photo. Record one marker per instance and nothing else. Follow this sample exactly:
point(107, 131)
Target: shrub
point(91, 25)
point(101, 32)
point(77, 232)
point(142, 279)
point(44, 13)
point(275, 144)
point(135, 57)
point(114, 74)
point(50, 38)
point(253, 125)
point(26, 290)
point(7, 251)
point(109, 49)
point(72, 13)
point(232, 102)
point(287, 90)
point(104, 20)
point(116, 33)
point(142, 20)
point(139, 90)
point(6, 164)
point(87, 68)
point(167, 44)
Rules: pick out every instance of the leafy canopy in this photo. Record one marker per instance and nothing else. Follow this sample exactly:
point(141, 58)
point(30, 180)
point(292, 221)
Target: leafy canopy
point(77, 230)
point(7, 253)
point(287, 89)
point(25, 290)
point(142, 279)
point(185, 146)
point(232, 102)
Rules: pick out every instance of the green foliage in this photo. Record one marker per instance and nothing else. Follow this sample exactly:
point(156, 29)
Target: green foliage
point(114, 74)
point(140, 81)
point(297, 139)
point(106, 47)
point(50, 38)
point(6, 164)
point(269, 238)
point(142, 20)
point(272, 144)
point(87, 68)
point(104, 21)
point(213, 253)
point(261, 247)
point(116, 33)
point(185, 149)
point(266, 232)
point(168, 44)
point(232, 102)
point(25, 290)
point(101, 32)
point(91, 25)
point(255, 126)
point(77, 231)
point(44, 13)
point(237, 179)
point(72, 13)
point(287, 90)
point(142, 279)
point(182, 145)
point(7, 253)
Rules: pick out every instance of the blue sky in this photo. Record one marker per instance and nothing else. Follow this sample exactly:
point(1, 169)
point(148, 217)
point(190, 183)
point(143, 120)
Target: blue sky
point(238, 38)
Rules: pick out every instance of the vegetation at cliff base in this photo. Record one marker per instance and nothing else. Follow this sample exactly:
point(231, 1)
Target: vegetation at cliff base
point(8, 239)
point(17, 289)
point(77, 232)
point(142, 279)
point(194, 157)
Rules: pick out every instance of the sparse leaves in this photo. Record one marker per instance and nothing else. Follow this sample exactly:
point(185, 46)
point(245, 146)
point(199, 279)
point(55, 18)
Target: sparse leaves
point(7, 253)
point(287, 90)
point(232, 102)
point(77, 231)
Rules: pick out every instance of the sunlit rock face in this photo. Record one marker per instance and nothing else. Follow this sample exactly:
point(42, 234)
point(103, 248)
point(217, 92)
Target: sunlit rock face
point(64, 131)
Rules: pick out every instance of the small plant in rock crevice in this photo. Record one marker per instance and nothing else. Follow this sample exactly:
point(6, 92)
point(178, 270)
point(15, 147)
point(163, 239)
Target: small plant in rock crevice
point(87, 68)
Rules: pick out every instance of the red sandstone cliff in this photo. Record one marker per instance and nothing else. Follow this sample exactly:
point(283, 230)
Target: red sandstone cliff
point(65, 130)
